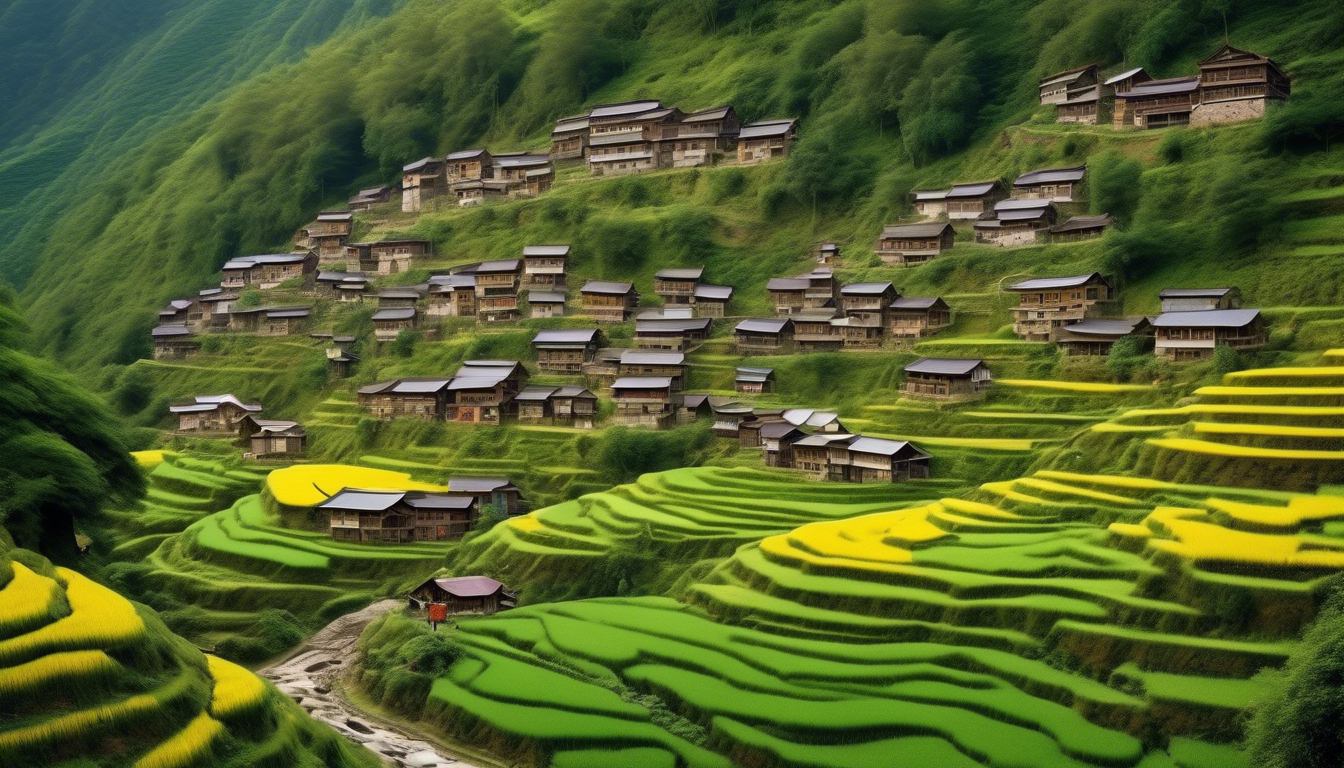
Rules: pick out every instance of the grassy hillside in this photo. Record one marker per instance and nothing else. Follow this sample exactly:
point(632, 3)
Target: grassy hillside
point(892, 95)
point(89, 84)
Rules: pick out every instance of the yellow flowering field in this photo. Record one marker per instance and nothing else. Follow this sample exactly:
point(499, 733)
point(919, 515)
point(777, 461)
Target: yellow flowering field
point(236, 689)
point(186, 746)
point(1300, 509)
point(1190, 445)
point(47, 670)
point(1191, 534)
point(150, 459)
point(1268, 430)
point(1091, 387)
point(1303, 372)
point(98, 618)
point(307, 484)
point(26, 600)
point(1225, 391)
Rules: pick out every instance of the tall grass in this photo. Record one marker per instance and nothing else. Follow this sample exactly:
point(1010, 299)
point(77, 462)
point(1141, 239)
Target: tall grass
point(99, 618)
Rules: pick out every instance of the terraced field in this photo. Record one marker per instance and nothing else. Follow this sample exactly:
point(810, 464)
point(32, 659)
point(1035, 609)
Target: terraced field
point(916, 635)
point(212, 577)
point(678, 516)
point(88, 678)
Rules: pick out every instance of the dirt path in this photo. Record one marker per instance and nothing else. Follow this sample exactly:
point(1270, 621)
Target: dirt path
point(310, 677)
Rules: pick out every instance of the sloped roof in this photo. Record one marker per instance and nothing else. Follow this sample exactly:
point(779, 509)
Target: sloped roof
point(642, 382)
point(419, 386)
point(535, 393)
point(396, 313)
point(288, 312)
point(915, 230)
point(945, 366)
point(421, 163)
point(649, 357)
point(421, 500)
point(1097, 327)
point(930, 194)
point(671, 324)
point(361, 500)
point(211, 402)
point(465, 154)
point(866, 289)
point(566, 336)
point(521, 161)
point(1123, 76)
point(1046, 283)
point(565, 125)
point(1081, 223)
point(546, 297)
point(606, 286)
point(714, 292)
point(972, 189)
point(704, 115)
point(1194, 293)
point(881, 447)
point(681, 273)
point(916, 302)
point(766, 128)
point(763, 325)
point(787, 284)
point(1161, 87)
point(478, 484)
point(1051, 175)
point(169, 331)
point(552, 251)
point(1209, 318)
point(497, 265)
point(575, 391)
point(469, 586)
point(623, 108)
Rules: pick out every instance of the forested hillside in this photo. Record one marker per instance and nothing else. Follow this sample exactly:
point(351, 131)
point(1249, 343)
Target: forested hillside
point(88, 84)
point(891, 95)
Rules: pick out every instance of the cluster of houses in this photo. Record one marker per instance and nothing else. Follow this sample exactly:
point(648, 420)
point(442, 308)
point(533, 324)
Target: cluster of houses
point(815, 313)
point(643, 135)
point(470, 177)
point(400, 517)
point(1192, 324)
point(1039, 206)
point(226, 415)
point(1232, 86)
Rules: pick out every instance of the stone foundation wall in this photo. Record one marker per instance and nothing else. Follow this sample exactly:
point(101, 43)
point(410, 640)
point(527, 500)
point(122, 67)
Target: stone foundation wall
point(1223, 112)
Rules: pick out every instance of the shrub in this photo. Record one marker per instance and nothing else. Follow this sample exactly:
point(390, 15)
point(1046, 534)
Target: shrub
point(1172, 147)
point(248, 297)
point(1115, 184)
point(1226, 360)
point(621, 245)
point(404, 344)
point(725, 184)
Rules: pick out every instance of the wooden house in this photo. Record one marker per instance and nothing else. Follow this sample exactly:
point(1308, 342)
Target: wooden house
point(173, 342)
point(469, 192)
point(213, 304)
point(482, 391)
point(609, 302)
point(1046, 305)
point(351, 290)
point(417, 397)
point(569, 138)
point(844, 458)
point(366, 199)
point(754, 381)
point(1237, 85)
point(176, 311)
point(327, 235)
point(1097, 336)
point(463, 595)
point(564, 351)
point(285, 321)
point(272, 437)
point(677, 285)
point(764, 336)
point(766, 140)
point(670, 334)
point(385, 257)
point(389, 323)
point(534, 405)
point(910, 244)
point(1156, 103)
point(544, 266)
point(788, 294)
point(451, 295)
point(865, 306)
point(1055, 89)
point(546, 303)
point(818, 330)
point(946, 378)
point(497, 492)
point(712, 300)
point(823, 290)
point(1077, 228)
point(1185, 336)
point(698, 138)
point(929, 203)
point(246, 319)
point(1197, 299)
point(468, 165)
point(1058, 185)
point(497, 285)
point(815, 421)
point(601, 371)
point(267, 271)
point(212, 413)
point(326, 282)
point(369, 516)
point(826, 253)
point(910, 317)
point(421, 181)
point(524, 174)
point(694, 407)
point(642, 363)
point(729, 418)
point(1017, 222)
point(399, 298)
point(777, 439)
point(1086, 106)
point(574, 407)
point(972, 200)
point(644, 401)
point(441, 516)
point(617, 154)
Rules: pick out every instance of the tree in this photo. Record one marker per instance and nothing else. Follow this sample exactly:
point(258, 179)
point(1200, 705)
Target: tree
point(1115, 185)
point(1300, 721)
point(65, 454)
point(404, 344)
point(938, 107)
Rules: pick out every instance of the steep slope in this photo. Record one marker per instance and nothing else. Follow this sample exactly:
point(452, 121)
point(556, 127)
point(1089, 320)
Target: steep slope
point(88, 84)
point(881, 87)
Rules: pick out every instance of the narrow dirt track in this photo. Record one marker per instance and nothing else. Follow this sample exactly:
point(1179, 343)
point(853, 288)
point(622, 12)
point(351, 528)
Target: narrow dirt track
point(310, 676)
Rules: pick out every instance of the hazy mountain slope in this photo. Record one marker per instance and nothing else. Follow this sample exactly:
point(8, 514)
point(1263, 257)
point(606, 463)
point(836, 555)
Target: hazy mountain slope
point(86, 83)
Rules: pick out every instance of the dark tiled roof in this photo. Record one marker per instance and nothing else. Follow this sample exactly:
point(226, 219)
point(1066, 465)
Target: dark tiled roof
point(1051, 175)
point(1209, 318)
point(945, 366)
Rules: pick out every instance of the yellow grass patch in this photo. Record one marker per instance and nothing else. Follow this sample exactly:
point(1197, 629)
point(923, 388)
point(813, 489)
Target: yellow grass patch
point(51, 668)
point(1223, 391)
point(1110, 426)
point(1300, 509)
point(1131, 530)
point(1051, 486)
point(1073, 386)
point(1269, 430)
point(528, 522)
point(1191, 534)
point(1229, 409)
point(1116, 481)
point(1303, 372)
point(186, 746)
point(880, 537)
point(1243, 451)
point(236, 689)
point(150, 459)
point(308, 484)
point(98, 618)
point(1004, 489)
point(26, 598)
